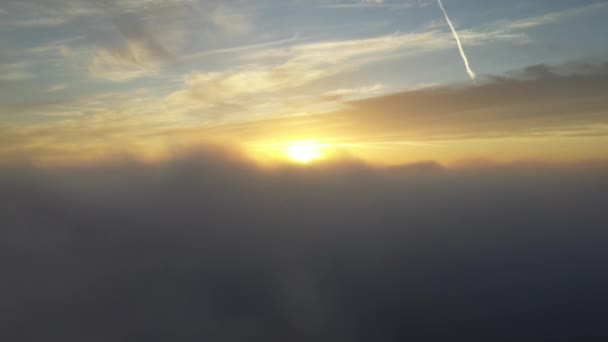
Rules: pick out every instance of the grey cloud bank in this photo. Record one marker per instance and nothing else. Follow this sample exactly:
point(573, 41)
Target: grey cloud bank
point(209, 247)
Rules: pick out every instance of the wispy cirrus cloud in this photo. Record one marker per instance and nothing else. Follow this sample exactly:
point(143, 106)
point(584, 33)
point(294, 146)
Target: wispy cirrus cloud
point(18, 71)
point(131, 39)
point(368, 4)
point(131, 48)
point(352, 93)
point(301, 64)
point(56, 88)
point(550, 18)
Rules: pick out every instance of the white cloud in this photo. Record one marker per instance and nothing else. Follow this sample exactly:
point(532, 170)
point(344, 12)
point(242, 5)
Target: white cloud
point(122, 64)
point(366, 4)
point(55, 88)
point(550, 18)
point(353, 93)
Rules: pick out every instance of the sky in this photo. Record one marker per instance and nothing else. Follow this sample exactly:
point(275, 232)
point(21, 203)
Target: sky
point(82, 79)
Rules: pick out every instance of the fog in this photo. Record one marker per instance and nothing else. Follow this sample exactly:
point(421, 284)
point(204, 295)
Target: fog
point(207, 246)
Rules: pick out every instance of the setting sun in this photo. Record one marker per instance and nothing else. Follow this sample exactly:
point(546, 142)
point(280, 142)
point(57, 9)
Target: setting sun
point(304, 151)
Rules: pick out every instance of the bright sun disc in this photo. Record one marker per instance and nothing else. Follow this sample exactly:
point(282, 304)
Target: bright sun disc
point(304, 152)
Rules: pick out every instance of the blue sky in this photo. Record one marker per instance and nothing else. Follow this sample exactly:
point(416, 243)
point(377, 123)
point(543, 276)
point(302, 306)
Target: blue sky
point(180, 63)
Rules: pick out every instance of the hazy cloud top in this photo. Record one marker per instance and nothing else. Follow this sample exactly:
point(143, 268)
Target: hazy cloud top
point(207, 246)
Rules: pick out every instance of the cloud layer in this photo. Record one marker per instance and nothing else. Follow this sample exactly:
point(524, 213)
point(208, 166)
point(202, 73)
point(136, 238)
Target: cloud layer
point(209, 247)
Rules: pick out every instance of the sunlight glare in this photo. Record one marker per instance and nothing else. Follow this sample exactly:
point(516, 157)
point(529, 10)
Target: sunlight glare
point(304, 151)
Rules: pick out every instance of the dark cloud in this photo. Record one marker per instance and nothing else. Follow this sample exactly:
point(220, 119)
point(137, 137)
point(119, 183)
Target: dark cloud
point(207, 247)
point(538, 101)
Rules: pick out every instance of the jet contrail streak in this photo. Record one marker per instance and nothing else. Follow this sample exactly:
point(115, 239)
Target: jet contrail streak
point(462, 53)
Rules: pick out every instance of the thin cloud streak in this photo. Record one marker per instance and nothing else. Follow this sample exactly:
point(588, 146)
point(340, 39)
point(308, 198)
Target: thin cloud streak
point(462, 53)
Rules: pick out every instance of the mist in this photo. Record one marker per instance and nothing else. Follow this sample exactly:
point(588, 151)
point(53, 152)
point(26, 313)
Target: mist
point(209, 246)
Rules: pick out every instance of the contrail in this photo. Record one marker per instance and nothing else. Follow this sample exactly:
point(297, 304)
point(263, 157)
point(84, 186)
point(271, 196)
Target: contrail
point(462, 53)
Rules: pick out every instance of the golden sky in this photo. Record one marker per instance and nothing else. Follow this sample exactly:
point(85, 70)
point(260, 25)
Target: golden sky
point(381, 81)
